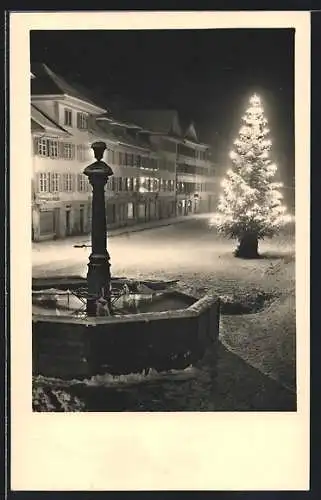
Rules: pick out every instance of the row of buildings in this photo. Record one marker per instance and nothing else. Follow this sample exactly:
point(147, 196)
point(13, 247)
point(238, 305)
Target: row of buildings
point(161, 169)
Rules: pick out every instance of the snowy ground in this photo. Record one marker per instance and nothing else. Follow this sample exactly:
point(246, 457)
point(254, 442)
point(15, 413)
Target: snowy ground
point(255, 366)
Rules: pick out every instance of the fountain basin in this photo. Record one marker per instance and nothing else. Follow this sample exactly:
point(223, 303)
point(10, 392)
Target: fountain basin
point(173, 334)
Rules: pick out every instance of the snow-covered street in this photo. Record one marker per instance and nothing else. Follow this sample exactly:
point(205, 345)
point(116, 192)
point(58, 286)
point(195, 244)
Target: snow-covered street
point(255, 366)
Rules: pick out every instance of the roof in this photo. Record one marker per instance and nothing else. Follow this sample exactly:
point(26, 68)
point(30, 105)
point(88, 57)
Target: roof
point(46, 82)
point(36, 127)
point(45, 122)
point(112, 120)
point(119, 134)
point(157, 121)
point(191, 133)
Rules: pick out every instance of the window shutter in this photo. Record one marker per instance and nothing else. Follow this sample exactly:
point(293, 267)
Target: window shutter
point(78, 120)
point(60, 183)
point(35, 145)
point(61, 149)
point(37, 183)
point(91, 122)
point(72, 151)
point(48, 144)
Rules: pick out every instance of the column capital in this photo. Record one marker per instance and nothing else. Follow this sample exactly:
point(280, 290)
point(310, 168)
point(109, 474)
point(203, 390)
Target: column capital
point(98, 172)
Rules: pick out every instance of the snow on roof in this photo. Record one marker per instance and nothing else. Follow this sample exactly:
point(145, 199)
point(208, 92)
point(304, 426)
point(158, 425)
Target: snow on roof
point(45, 122)
point(48, 82)
point(154, 120)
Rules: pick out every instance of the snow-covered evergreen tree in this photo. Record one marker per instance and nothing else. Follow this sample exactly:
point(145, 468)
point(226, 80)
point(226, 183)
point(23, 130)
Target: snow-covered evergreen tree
point(251, 203)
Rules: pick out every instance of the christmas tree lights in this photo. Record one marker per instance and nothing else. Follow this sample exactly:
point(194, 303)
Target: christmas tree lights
point(250, 205)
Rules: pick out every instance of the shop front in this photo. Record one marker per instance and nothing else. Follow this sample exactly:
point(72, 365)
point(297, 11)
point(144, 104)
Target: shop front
point(45, 218)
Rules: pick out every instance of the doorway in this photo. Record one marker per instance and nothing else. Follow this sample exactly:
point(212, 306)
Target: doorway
point(81, 220)
point(68, 228)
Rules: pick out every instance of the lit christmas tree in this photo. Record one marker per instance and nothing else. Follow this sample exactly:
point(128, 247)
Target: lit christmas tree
point(250, 206)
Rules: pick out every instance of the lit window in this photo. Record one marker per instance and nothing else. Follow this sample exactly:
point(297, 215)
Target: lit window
point(43, 182)
point(54, 183)
point(68, 117)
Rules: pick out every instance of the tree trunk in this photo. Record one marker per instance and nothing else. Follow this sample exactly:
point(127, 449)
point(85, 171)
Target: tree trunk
point(248, 247)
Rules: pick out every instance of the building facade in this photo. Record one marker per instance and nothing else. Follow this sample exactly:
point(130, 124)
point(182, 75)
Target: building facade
point(158, 171)
point(141, 188)
point(188, 159)
point(64, 124)
point(195, 181)
point(61, 135)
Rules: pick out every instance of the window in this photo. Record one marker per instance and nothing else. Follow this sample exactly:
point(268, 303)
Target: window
point(68, 117)
point(67, 151)
point(138, 161)
point(82, 121)
point(81, 152)
point(42, 147)
point(53, 149)
point(130, 184)
point(130, 159)
point(120, 186)
point(54, 183)
point(120, 158)
point(67, 182)
point(82, 184)
point(111, 156)
point(111, 184)
point(43, 182)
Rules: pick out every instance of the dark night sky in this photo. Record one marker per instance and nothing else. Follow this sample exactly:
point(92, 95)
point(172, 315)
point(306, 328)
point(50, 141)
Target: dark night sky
point(207, 75)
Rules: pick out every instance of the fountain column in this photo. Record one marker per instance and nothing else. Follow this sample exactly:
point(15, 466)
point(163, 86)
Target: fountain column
point(98, 275)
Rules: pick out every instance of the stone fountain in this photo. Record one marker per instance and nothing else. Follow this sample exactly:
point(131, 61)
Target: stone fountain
point(103, 324)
